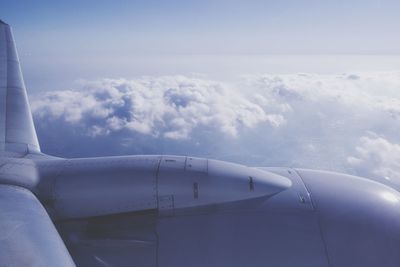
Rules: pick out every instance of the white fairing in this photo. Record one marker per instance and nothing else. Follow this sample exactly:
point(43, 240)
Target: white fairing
point(188, 182)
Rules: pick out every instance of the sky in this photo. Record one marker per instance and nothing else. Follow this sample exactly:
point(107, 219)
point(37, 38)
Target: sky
point(296, 83)
point(65, 41)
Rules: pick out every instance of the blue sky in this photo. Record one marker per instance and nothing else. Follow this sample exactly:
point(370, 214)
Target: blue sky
point(296, 26)
point(71, 40)
point(296, 83)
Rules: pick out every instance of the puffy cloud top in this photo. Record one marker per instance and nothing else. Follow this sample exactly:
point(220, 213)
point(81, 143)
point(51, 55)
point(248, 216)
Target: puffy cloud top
point(377, 156)
point(171, 107)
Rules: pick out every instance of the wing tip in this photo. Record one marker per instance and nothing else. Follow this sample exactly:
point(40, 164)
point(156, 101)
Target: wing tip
point(2, 22)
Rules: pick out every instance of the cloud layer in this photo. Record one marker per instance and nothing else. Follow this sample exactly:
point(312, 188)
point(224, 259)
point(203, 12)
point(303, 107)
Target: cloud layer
point(167, 107)
point(346, 122)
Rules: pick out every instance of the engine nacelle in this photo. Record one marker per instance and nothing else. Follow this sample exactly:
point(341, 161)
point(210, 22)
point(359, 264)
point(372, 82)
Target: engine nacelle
point(104, 186)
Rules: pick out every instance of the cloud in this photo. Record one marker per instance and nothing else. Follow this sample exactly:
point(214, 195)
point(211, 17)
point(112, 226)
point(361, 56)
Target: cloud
point(377, 156)
point(299, 120)
point(171, 107)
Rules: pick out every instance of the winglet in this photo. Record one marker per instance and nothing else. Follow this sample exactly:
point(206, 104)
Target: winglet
point(17, 132)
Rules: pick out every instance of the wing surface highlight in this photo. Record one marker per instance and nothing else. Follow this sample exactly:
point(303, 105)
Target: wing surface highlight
point(27, 234)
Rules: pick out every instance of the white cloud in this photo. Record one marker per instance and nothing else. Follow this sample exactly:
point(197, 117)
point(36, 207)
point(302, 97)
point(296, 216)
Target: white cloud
point(375, 155)
point(168, 106)
point(301, 120)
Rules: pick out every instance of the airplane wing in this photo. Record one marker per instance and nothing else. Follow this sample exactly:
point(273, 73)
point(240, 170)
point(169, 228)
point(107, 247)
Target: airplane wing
point(27, 235)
